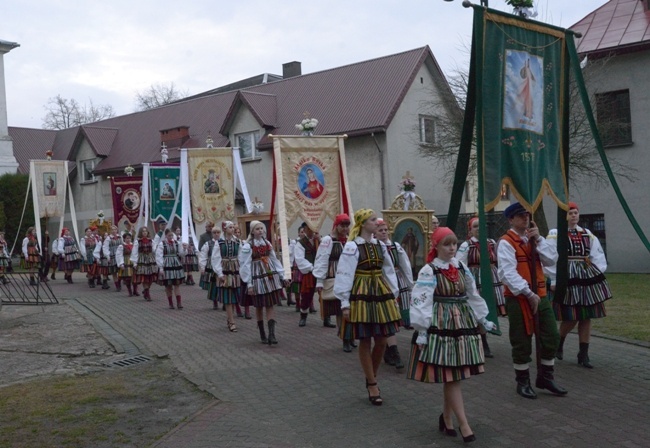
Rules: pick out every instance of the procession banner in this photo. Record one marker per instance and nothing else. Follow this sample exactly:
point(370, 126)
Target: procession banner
point(49, 179)
point(522, 72)
point(127, 196)
point(164, 183)
point(309, 181)
point(212, 185)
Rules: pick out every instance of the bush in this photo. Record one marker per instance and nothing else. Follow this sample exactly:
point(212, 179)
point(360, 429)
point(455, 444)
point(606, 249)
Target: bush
point(12, 191)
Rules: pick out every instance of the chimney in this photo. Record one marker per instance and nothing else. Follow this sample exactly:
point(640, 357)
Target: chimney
point(291, 69)
point(175, 137)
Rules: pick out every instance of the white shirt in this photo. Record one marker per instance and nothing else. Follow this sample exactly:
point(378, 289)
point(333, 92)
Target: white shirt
point(596, 253)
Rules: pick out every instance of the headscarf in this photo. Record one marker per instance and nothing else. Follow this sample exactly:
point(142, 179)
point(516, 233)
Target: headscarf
point(340, 219)
point(380, 222)
point(436, 237)
point(360, 216)
point(252, 226)
point(63, 230)
point(225, 224)
point(573, 205)
point(469, 225)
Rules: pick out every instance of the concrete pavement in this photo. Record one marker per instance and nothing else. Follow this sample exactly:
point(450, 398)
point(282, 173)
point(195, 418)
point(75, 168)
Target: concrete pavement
point(306, 392)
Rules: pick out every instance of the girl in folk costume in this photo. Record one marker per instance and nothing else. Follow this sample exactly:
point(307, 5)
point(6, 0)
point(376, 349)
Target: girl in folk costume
point(123, 259)
point(31, 253)
point(225, 264)
point(366, 285)
point(244, 287)
point(4, 259)
point(470, 254)
point(69, 256)
point(110, 247)
point(169, 254)
point(263, 274)
point(145, 271)
point(87, 248)
point(325, 265)
point(190, 261)
point(304, 254)
point(404, 274)
point(587, 288)
point(445, 311)
point(54, 257)
point(296, 275)
point(207, 281)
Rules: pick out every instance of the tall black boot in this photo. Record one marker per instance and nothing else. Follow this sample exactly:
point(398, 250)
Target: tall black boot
point(486, 347)
point(389, 357)
point(398, 360)
point(328, 323)
point(303, 319)
point(545, 380)
point(583, 355)
point(523, 384)
point(105, 284)
point(272, 339)
point(559, 354)
point(260, 326)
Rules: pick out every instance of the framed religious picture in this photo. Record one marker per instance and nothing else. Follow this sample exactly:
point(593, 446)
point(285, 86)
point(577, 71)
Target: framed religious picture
point(49, 184)
point(167, 189)
point(409, 233)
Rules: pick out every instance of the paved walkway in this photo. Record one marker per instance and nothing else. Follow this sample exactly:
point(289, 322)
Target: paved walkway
point(306, 392)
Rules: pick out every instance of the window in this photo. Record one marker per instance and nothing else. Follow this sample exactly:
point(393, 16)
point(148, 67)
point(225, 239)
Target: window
point(87, 167)
point(247, 143)
point(595, 223)
point(614, 118)
point(427, 130)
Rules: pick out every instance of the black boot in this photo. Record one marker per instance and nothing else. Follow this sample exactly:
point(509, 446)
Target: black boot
point(346, 346)
point(91, 283)
point(398, 360)
point(272, 339)
point(389, 356)
point(523, 384)
point(486, 347)
point(303, 319)
point(260, 326)
point(545, 380)
point(327, 323)
point(559, 354)
point(105, 284)
point(583, 355)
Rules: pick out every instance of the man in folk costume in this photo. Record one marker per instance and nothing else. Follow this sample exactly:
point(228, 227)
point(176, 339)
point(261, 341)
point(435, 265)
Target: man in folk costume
point(521, 254)
point(305, 255)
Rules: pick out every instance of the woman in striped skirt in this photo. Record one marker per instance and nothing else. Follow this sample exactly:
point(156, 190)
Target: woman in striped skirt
point(587, 288)
point(32, 254)
point(190, 260)
point(225, 264)
point(404, 275)
point(4, 259)
point(367, 288)
point(263, 274)
point(87, 248)
point(145, 270)
point(207, 281)
point(69, 256)
point(470, 254)
point(445, 312)
point(124, 263)
point(169, 254)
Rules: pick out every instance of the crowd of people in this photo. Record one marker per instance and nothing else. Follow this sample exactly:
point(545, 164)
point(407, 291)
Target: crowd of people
point(365, 281)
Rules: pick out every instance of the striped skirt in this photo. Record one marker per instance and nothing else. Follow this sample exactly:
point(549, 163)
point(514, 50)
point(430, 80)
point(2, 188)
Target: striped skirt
point(191, 263)
point(404, 301)
point(587, 292)
point(296, 278)
point(173, 273)
point(147, 270)
point(373, 310)
point(454, 351)
point(228, 296)
point(206, 278)
point(499, 297)
point(126, 271)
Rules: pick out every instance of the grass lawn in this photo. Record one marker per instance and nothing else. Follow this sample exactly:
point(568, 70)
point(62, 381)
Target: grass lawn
point(628, 312)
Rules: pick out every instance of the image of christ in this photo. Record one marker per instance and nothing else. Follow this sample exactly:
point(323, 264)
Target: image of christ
point(523, 102)
point(311, 186)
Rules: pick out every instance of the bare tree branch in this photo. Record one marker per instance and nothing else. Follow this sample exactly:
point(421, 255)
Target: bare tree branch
point(63, 113)
point(158, 95)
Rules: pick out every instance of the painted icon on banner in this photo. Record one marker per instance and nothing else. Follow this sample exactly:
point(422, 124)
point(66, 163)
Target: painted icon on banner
point(167, 189)
point(49, 184)
point(131, 199)
point(523, 104)
point(211, 184)
point(311, 181)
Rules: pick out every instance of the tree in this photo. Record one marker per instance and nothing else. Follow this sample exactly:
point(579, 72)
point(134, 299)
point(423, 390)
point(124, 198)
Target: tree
point(158, 95)
point(14, 187)
point(63, 113)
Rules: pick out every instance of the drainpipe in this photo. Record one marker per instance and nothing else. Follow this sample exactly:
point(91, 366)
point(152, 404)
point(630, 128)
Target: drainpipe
point(382, 174)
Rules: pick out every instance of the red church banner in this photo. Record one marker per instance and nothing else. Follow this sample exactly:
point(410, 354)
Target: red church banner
point(127, 194)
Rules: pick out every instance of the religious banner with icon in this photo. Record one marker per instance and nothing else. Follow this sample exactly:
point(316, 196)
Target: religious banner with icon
point(127, 195)
point(49, 179)
point(164, 183)
point(212, 184)
point(310, 181)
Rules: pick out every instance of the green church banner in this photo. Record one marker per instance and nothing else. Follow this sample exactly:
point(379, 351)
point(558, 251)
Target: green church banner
point(164, 184)
point(521, 76)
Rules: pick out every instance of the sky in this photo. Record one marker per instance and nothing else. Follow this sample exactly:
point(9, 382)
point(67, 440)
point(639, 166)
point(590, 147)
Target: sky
point(109, 51)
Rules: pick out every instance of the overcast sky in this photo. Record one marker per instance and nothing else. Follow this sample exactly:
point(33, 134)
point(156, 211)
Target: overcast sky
point(108, 51)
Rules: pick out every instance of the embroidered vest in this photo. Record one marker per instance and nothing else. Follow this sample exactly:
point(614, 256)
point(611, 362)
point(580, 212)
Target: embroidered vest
point(524, 255)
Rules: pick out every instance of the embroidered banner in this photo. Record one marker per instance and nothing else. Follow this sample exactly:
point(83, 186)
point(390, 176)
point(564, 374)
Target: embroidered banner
point(212, 185)
point(164, 182)
point(522, 73)
point(49, 183)
point(127, 195)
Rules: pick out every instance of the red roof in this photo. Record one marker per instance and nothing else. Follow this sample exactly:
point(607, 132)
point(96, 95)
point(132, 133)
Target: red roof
point(618, 25)
point(355, 99)
point(31, 144)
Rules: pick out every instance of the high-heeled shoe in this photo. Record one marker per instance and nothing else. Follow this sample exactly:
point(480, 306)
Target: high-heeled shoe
point(376, 400)
point(467, 439)
point(443, 428)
